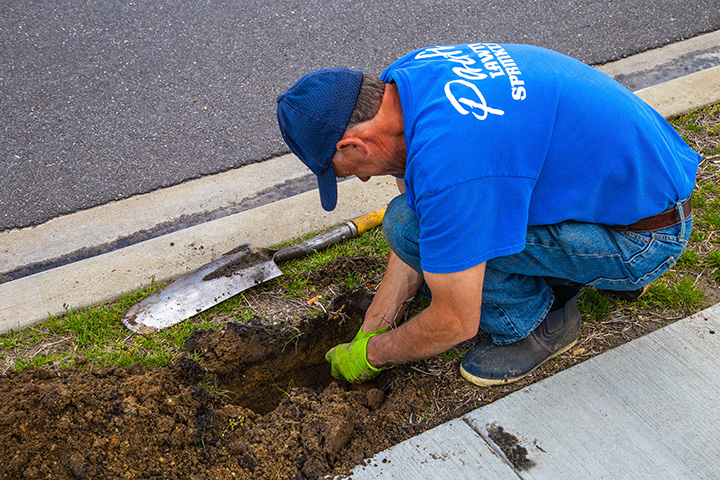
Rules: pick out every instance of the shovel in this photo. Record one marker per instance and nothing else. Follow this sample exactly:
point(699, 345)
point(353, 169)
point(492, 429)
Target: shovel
point(232, 273)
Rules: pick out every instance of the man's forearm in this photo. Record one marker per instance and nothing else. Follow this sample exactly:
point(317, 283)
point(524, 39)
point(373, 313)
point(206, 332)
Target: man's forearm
point(452, 317)
point(423, 336)
point(399, 284)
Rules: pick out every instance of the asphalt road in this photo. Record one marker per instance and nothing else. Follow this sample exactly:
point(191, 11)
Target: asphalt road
point(103, 100)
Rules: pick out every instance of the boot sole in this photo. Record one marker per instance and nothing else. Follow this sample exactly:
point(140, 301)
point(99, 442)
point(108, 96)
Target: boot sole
point(488, 382)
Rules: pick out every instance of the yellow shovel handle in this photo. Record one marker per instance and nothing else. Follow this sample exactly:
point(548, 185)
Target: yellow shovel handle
point(371, 220)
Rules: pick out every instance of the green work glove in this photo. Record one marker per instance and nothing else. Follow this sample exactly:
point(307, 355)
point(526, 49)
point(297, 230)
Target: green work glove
point(360, 334)
point(349, 360)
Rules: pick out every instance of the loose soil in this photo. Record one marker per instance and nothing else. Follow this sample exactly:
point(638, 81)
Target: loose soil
point(271, 410)
point(255, 400)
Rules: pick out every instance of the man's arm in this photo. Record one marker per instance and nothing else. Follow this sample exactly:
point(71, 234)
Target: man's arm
point(399, 284)
point(452, 317)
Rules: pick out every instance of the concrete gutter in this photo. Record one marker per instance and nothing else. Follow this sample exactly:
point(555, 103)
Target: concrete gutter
point(94, 256)
point(29, 300)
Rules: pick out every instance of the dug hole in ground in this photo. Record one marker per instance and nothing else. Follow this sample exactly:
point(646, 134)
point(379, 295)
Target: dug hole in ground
point(256, 400)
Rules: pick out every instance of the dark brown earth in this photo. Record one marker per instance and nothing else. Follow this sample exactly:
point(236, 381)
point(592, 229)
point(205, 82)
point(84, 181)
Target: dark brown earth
point(511, 447)
point(253, 401)
point(270, 410)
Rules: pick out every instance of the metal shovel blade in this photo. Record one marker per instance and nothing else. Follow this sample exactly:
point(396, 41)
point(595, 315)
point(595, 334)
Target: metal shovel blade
point(219, 280)
point(229, 275)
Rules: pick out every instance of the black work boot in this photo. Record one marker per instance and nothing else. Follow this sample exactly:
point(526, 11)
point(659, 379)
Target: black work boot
point(490, 364)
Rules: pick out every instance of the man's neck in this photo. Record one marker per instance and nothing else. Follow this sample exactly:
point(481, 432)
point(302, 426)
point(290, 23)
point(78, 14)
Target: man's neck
point(390, 120)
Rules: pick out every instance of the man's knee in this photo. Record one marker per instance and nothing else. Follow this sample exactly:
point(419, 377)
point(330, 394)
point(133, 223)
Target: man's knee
point(399, 222)
point(402, 230)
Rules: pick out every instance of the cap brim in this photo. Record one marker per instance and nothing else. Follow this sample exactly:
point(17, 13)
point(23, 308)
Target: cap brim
point(327, 184)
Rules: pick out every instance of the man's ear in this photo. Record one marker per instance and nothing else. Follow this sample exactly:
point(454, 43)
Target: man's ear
point(352, 145)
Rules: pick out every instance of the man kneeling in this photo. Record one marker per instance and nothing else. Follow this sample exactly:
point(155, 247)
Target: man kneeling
point(524, 174)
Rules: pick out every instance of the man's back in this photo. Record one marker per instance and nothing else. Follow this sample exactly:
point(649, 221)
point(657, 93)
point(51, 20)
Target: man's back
point(521, 136)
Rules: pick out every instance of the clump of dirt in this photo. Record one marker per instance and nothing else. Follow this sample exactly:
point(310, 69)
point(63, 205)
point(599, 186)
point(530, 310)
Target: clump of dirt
point(337, 269)
point(247, 256)
point(257, 404)
point(110, 422)
point(258, 363)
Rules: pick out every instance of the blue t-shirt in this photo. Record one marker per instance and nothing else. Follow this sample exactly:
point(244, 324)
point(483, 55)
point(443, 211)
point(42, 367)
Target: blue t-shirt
point(501, 137)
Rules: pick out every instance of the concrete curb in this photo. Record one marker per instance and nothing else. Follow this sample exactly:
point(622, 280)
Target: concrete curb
point(109, 223)
point(658, 57)
point(103, 277)
point(684, 94)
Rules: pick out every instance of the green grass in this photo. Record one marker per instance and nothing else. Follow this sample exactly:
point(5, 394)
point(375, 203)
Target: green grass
point(682, 295)
point(295, 272)
point(595, 305)
point(703, 123)
point(672, 292)
point(95, 336)
point(713, 262)
point(453, 354)
point(86, 326)
point(212, 384)
point(689, 259)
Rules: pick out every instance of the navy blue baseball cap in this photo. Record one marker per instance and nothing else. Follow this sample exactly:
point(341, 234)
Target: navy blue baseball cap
point(313, 115)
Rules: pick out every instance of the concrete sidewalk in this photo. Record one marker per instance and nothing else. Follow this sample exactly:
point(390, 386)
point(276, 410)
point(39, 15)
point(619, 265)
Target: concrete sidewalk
point(645, 410)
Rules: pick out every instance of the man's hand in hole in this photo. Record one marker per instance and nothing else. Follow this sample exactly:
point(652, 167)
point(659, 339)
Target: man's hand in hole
point(349, 360)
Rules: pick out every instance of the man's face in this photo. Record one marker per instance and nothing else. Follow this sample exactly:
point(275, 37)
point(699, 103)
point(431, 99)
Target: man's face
point(346, 165)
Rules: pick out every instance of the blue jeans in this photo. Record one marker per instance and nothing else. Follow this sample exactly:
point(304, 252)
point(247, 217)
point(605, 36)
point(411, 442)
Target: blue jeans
point(517, 292)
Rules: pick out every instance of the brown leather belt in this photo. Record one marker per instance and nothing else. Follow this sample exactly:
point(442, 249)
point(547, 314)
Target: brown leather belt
point(666, 219)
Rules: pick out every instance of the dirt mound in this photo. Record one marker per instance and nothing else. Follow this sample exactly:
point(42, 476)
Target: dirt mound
point(258, 403)
point(338, 269)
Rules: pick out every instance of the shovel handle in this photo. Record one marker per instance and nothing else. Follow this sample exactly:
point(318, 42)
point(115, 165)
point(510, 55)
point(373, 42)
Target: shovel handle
point(371, 220)
point(331, 237)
